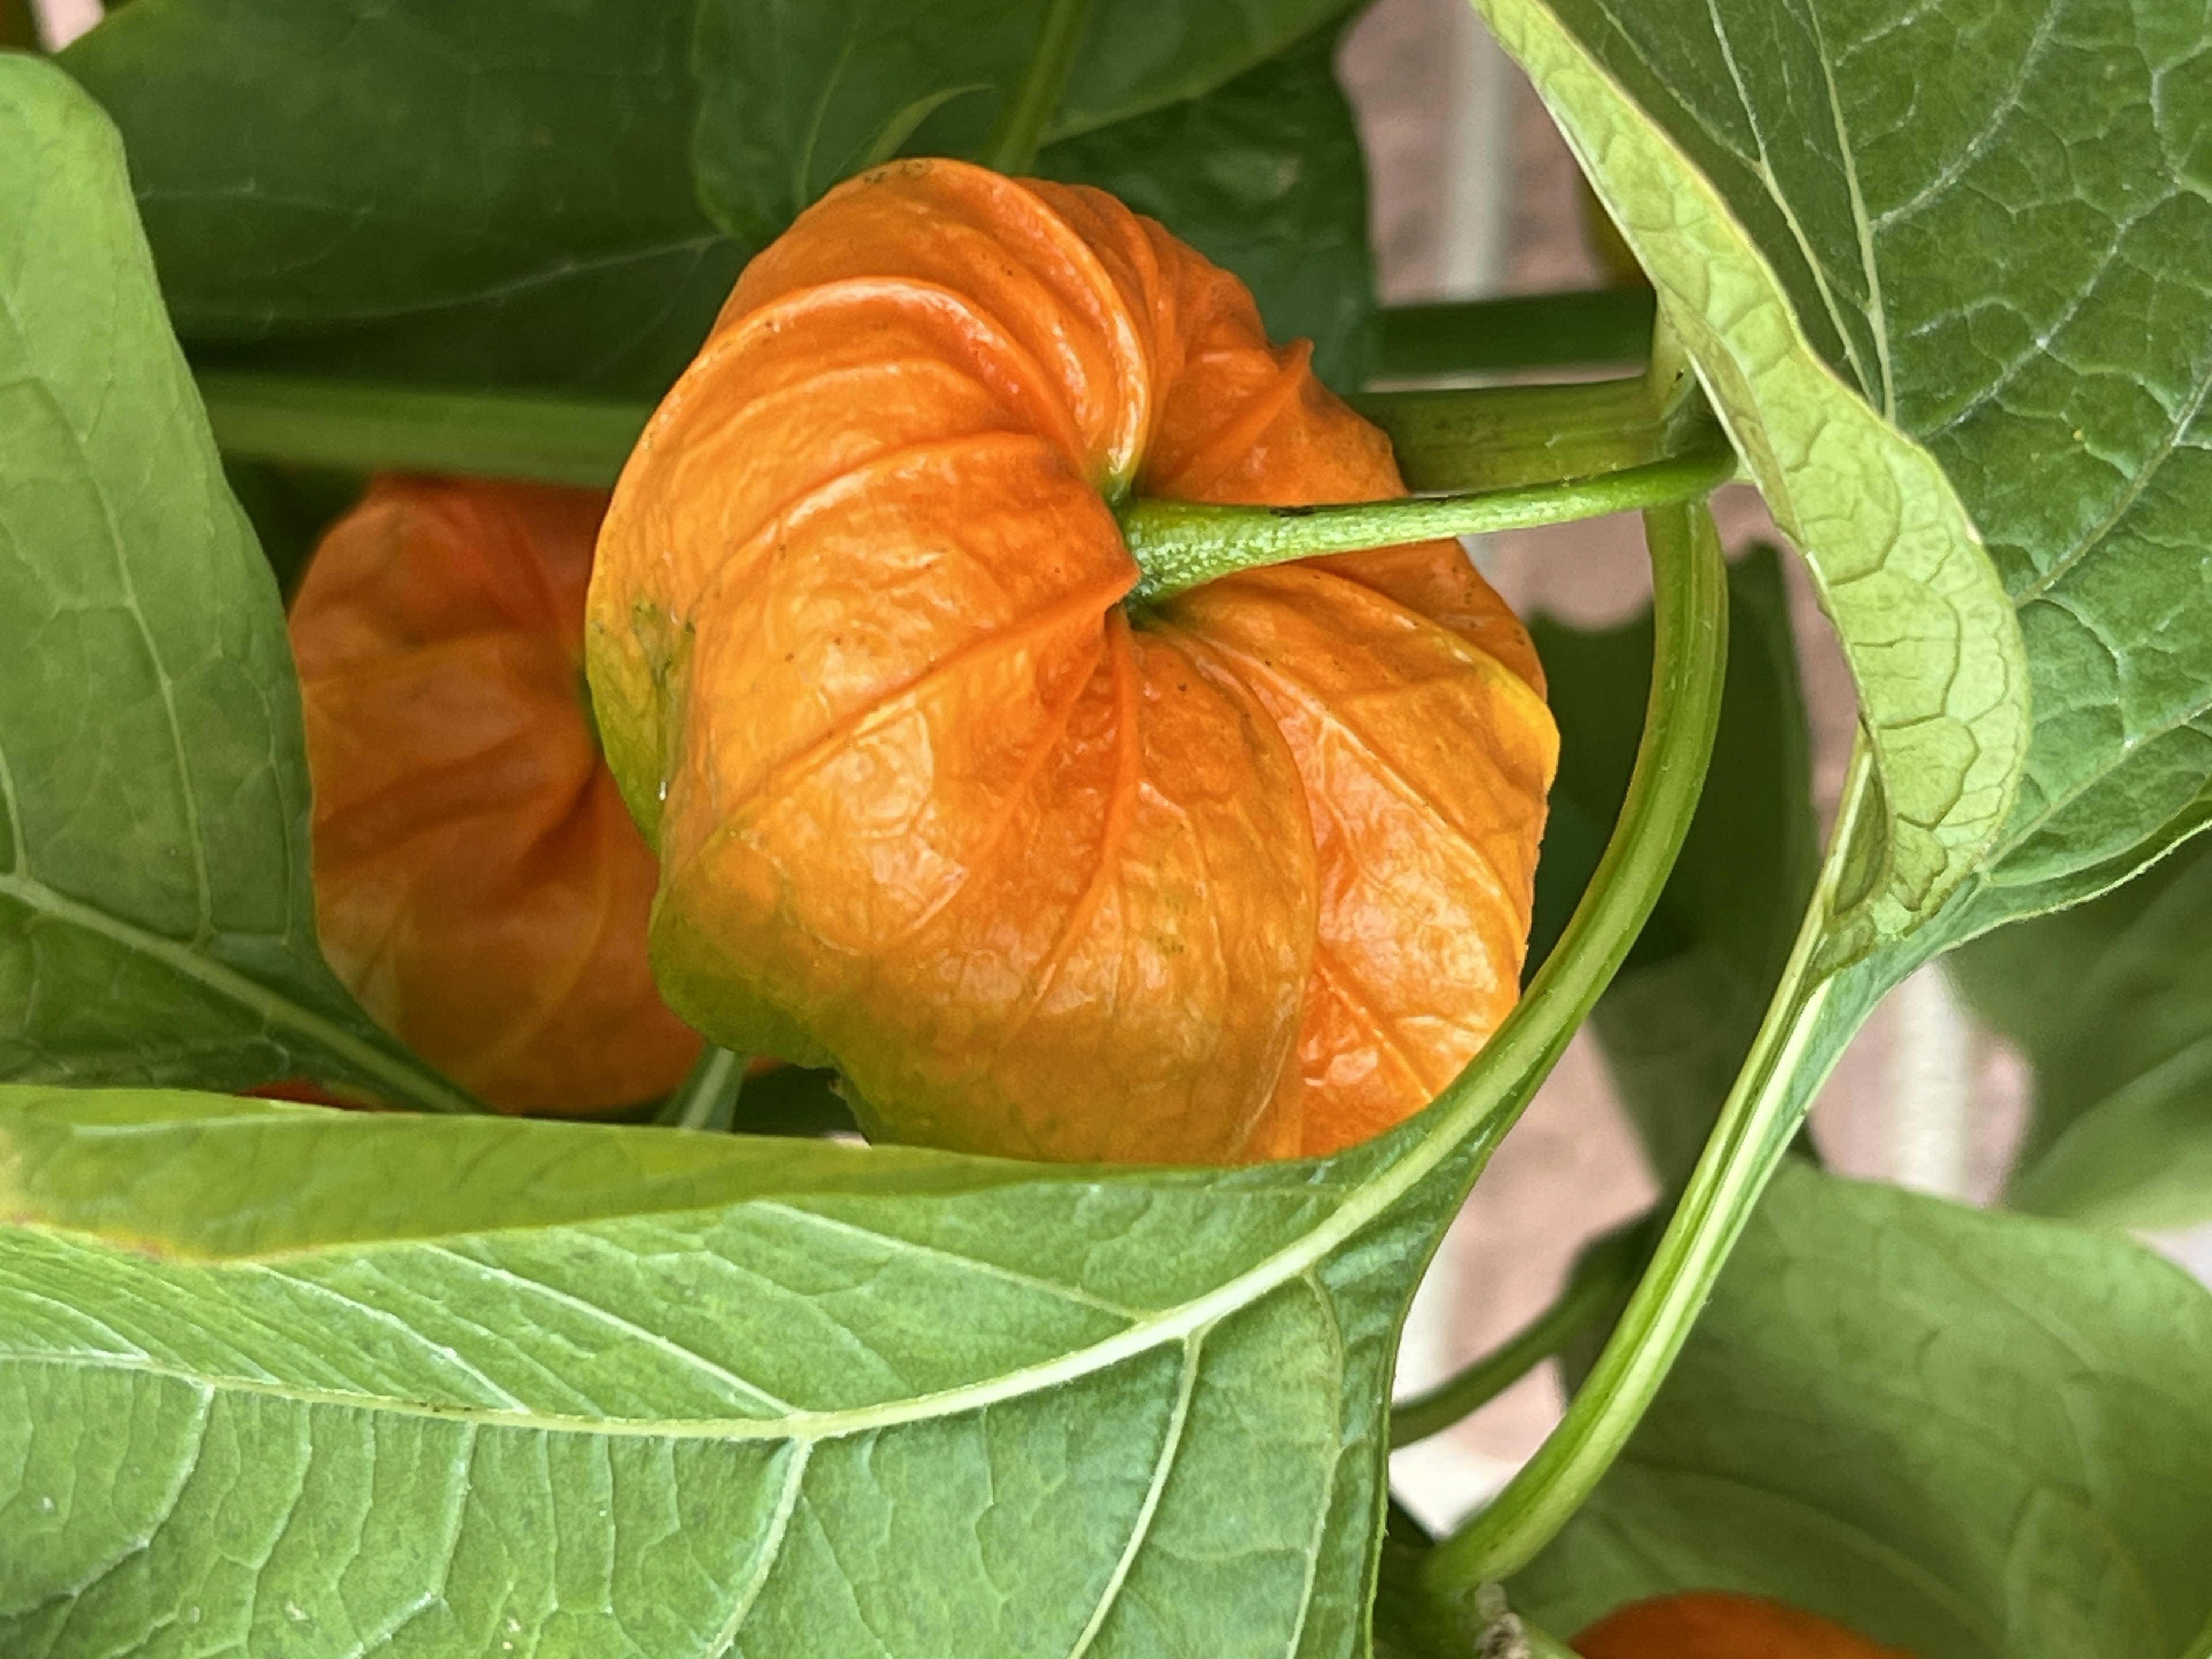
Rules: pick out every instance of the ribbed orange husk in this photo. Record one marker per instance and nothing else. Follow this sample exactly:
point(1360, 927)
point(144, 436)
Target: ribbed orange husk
point(1246, 876)
point(478, 881)
point(1715, 1624)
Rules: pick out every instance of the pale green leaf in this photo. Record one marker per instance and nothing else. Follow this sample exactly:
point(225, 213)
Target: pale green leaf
point(1934, 646)
point(155, 920)
point(1972, 1437)
point(488, 193)
point(324, 1383)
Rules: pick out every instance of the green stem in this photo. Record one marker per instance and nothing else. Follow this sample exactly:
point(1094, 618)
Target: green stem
point(1462, 439)
point(707, 1099)
point(1753, 1133)
point(1544, 1645)
point(1600, 1280)
point(1012, 145)
point(373, 428)
point(1689, 604)
point(1504, 436)
point(1522, 330)
point(1180, 545)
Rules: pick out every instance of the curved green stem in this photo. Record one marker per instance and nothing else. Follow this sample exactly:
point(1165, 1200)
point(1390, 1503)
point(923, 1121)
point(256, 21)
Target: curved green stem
point(1012, 145)
point(1753, 1133)
point(1180, 545)
point(707, 1098)
point(1689, 604)
point(1600, 1280)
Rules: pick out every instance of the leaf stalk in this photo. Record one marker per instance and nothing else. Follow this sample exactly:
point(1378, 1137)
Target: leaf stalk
point(707, 1099)
point(1756, 1125)
point(1600, 1279)
point(1013, 143)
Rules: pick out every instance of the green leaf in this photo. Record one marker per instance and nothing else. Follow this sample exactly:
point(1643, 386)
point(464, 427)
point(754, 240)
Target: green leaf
point(341, 1382)
point(796, 97)
point(2112, 1003)
point(1973, 1436)
point(1933, 644)
point(1266, 176)
point(1677, 1022)
point(462, 1381)
point(155, 920)
point(494, 193)
point(2013, 271)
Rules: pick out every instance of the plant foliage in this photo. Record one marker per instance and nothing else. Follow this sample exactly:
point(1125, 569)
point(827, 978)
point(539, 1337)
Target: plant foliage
point(280, 1379)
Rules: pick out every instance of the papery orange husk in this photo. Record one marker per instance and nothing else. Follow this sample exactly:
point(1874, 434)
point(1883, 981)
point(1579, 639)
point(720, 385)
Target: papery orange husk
point(479, 884)
point(1718, 1624)
point(1244, 876)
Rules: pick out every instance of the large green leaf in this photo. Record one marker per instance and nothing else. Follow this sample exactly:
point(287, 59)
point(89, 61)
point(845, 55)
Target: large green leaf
point(1264, 175)
point(1992, 220)
point(155, 920)
point(1677, 1021)
point(1933, 646)
point(2112, 1003)
point(324, 1383)
point(487, 193)
point(799, 97)
point(1974, 1436)
point(340, 1382)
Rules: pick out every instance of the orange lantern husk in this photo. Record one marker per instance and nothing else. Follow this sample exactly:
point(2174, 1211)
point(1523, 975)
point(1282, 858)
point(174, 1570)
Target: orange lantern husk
point(1718, 1625)
point(479, 884)
point(1244, 875)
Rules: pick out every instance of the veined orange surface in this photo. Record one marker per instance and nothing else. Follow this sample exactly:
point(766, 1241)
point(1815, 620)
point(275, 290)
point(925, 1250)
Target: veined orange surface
point(1714, 1625)
point(479, 884)
point(1246, 875)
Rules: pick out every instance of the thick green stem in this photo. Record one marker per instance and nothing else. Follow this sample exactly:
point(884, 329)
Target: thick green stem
point(1753, 1133)
point(707, 1099)
point(1600, 1280)
point(1462, 439)
point(373, 428)
point(1504, 436)
point(1012, 145)
point(1184, 544)
point(1522, 330)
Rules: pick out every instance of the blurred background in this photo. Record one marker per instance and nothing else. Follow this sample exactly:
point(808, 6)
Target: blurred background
point(1473, 194)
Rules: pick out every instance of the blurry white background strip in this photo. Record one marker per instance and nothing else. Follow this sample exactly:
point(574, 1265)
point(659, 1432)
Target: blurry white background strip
point(61, 21)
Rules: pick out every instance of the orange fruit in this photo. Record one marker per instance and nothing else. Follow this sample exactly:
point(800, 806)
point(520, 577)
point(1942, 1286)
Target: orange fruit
point(1244, 875)
point(1716, 1625)
point(479, 884)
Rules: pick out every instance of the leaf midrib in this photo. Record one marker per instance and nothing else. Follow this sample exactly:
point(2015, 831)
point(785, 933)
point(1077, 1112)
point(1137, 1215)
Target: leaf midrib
point(1186, 1322)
